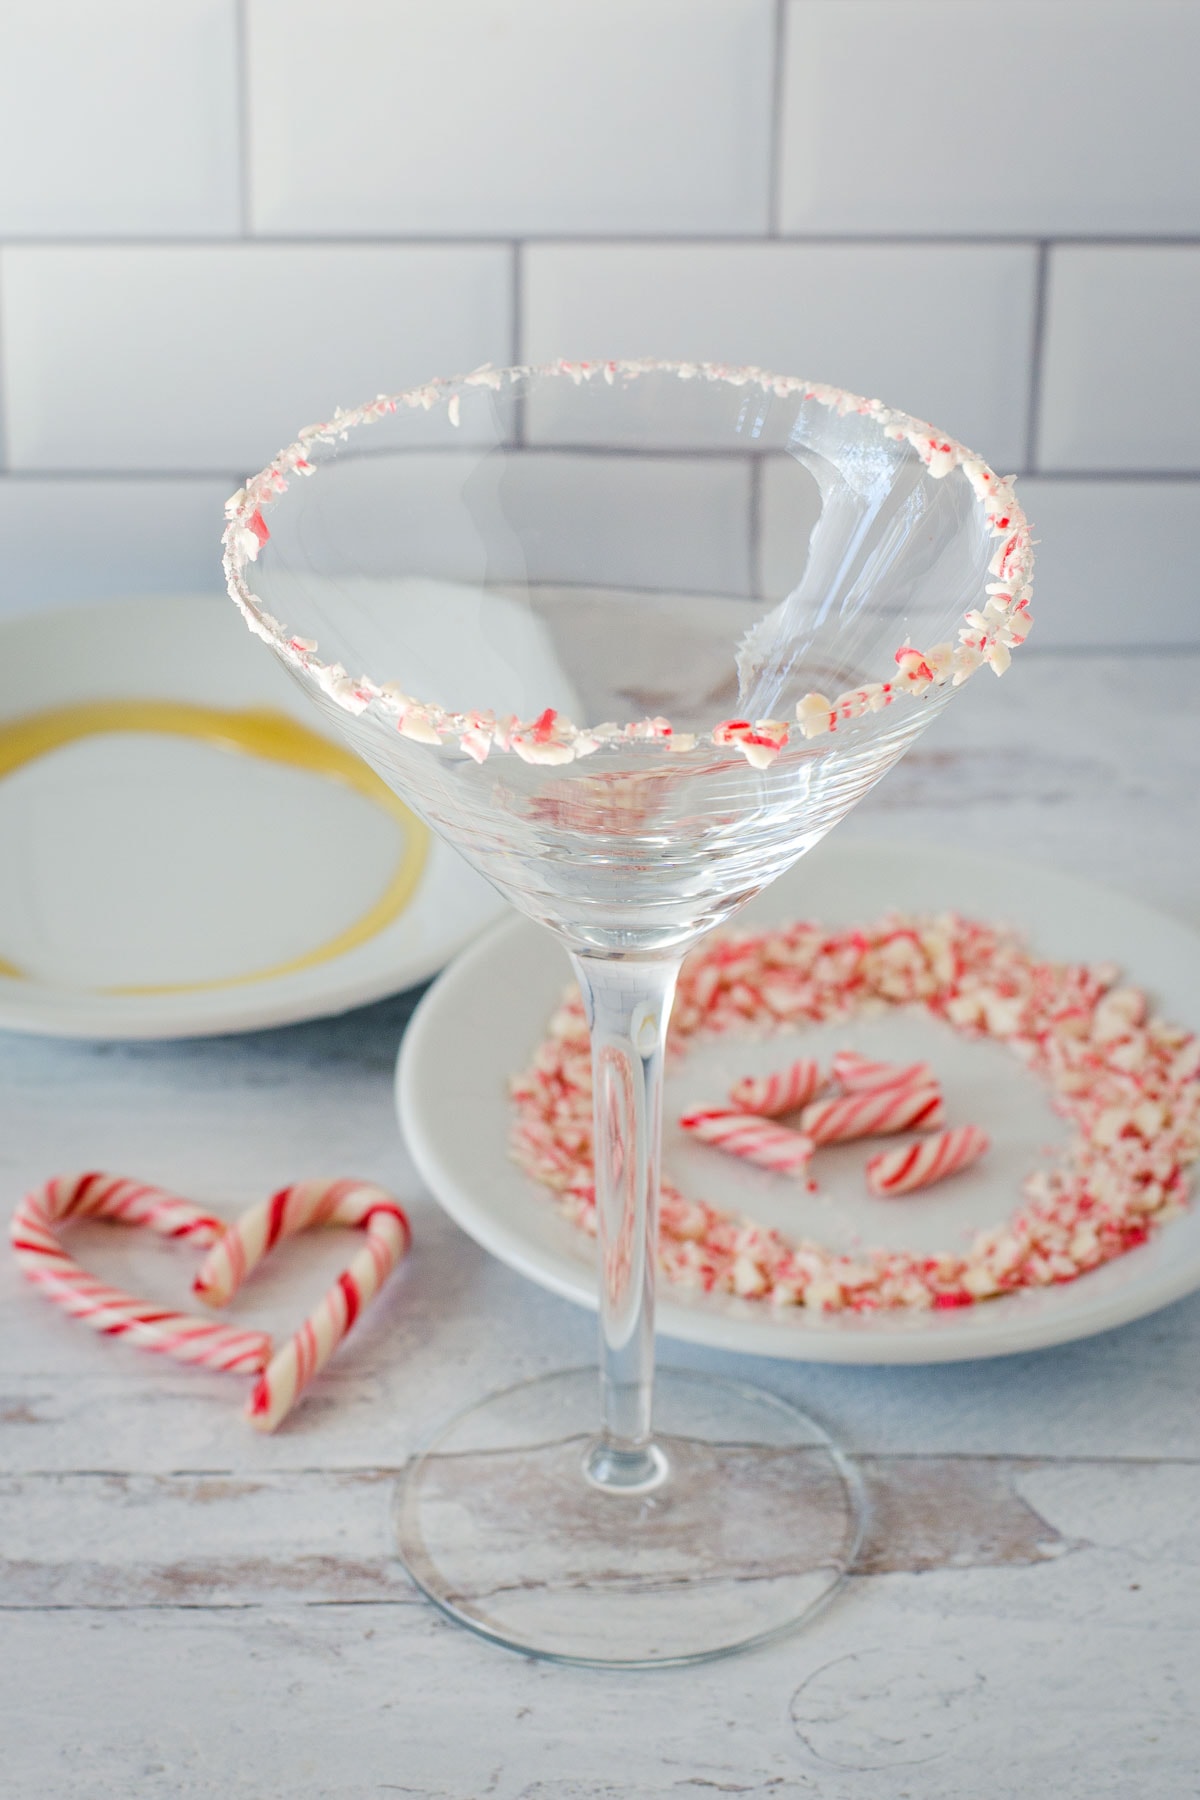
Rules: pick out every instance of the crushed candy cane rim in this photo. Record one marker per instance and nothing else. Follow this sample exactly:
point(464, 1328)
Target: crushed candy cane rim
point(989, 634)
point(1128, 1084)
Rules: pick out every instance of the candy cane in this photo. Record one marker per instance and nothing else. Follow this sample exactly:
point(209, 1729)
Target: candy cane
point(771, 1095)
point(858, 1074)
point(293, 1209)
point(758, 1140)
point(44, 1261)
point(928, 1160)
point(873, 1113)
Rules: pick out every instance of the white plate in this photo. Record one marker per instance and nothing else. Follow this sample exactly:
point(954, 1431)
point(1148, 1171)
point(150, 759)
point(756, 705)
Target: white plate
point(134, 859)
point(482, 1019)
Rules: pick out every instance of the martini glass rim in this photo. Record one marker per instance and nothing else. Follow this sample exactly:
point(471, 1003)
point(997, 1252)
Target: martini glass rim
point(991, 629)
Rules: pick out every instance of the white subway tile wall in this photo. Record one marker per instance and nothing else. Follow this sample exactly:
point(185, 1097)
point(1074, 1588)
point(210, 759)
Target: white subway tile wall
point(1121, 386)
point(935, 328)
point(119, 119)
point(211, 356)
point(514, 116)
point(219, 218)
point(75, 541)
point(984, 119)
point(1116, 561)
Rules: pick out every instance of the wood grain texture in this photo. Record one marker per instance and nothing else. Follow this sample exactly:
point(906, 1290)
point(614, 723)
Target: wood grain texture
point(218, 1540)
point(190, 1610)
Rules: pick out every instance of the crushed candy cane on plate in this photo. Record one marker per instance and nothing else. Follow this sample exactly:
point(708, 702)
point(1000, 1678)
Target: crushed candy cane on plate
point(1127, 1084)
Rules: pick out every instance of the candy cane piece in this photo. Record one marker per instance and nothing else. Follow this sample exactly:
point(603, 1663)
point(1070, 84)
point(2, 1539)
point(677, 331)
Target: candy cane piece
point(44, 1261)
point(858, 1074)
point(872, 1113)
point(771, 1095)
point(758, 1140)
point(927, 1160)
point(293, 1209)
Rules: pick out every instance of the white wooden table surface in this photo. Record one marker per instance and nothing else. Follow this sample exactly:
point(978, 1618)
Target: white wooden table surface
point(190, 1609)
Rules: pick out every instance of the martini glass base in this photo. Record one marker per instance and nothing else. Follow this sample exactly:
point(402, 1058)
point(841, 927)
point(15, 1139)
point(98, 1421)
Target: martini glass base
point(750, 1528)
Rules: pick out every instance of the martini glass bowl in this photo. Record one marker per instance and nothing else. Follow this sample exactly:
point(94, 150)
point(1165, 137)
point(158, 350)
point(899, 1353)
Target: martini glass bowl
point(633, 637)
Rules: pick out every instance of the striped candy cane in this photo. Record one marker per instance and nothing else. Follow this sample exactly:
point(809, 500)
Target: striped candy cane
point(928, 1160)
point(293, 1209)
point(106, 1309)
point(858, 1074)
point(758, 1140)
point(873, 1113)
point(771, 1095)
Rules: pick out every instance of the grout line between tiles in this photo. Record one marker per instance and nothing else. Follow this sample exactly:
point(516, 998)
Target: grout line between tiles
point(664, 239)
point(517, 302)
point(1036, 356)
point(775, 121)
point(1133, 647)
point(517, 326)
point(754, 547)
point(3, 383)
point(1100, 476)
point(103, 477)
point(264, 240)
point(242, 57)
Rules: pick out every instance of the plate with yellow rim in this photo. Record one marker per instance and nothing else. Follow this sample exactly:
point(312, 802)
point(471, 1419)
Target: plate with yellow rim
point(186, 848)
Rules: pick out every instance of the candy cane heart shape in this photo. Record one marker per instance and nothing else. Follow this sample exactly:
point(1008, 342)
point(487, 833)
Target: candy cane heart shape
point(47, 1264)
point(294, 1209)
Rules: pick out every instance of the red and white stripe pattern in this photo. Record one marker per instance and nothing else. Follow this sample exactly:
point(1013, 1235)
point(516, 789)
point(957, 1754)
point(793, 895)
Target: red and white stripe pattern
point(873, 1113)
point(927, 1160)
point(858, 1074)
point(760, 1141)
point(294, 1209)
point(107, 1309)
point(772, 1095)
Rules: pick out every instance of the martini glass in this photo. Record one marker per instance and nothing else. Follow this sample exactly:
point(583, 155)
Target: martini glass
point(633, 637)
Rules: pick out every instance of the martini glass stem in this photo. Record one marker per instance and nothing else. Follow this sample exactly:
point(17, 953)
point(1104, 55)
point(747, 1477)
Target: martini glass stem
point(628, 1005)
